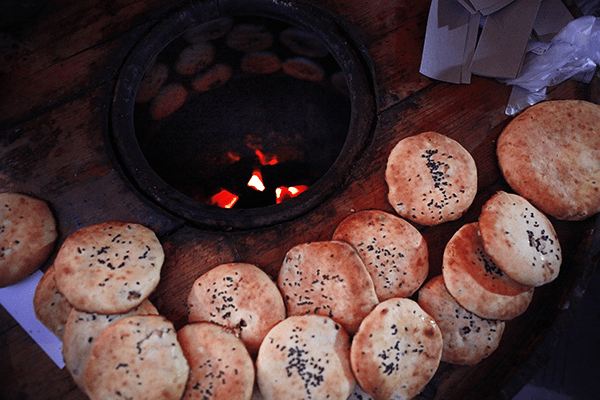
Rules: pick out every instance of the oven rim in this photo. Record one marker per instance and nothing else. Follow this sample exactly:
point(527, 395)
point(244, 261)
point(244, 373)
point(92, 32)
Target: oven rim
point(346, 48)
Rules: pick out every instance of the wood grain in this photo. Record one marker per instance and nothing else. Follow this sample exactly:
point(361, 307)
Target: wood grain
point(60, 70)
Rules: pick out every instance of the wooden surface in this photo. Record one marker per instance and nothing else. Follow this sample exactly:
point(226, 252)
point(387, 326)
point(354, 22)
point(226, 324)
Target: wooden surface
point(57, 73)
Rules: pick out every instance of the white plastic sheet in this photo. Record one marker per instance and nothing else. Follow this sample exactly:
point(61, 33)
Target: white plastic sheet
point(573, 53)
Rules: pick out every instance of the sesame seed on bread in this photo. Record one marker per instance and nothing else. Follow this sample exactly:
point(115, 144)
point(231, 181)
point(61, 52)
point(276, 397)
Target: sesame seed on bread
point(431, 178)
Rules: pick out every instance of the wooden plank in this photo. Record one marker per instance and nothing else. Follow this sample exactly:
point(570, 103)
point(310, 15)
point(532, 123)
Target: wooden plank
point(188, 254)
point(38, 377)
point(61, 157)
point(57, 82)
point(393, 34)
point(71, 47)
point(66, 28)
point(29, 95)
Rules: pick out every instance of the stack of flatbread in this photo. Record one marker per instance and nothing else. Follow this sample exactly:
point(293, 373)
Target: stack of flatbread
point(338, 320)
point(95, 299)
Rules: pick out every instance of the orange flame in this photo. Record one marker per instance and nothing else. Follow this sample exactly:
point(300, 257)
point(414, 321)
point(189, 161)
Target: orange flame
point(233, 157)
point(283, 193)
point(224, 199)
point(256, 181)
point(264, 160)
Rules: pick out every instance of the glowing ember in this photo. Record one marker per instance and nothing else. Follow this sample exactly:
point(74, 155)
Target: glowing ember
point(283, 193)
point(264, 160)
point(256, 181)
point(224, 199)
point(233, 157)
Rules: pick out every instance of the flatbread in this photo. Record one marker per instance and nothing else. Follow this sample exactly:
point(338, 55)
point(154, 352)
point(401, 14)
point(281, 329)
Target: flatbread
point(238, 296)
point(303, 68)
point(394, 252)
point(169, 99)
point(194, 58)
point(396, 351)
point(109, 268)
point(550, 154)
point(327, 278)
point(305, 357)
point(137, 357)
point(262, 62)
point(359, 394)
point(209, 30)
point(220, 366)
point(81, 331)
point(50, 306)
point(303, 43)
point(520, 239)
point(249, 38)
point(468, 339)
point(477, 283)
point(27, 236)
point(214, 77)
point(431, 178)
point(154, 77)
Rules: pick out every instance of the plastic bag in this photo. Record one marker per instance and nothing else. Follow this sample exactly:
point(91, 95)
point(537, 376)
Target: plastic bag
point(573, 53)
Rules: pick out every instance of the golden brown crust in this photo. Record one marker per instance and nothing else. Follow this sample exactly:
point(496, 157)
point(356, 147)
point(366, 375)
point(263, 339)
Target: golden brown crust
point(209, 30)
point(109, 268)
point(327, 278)
point(27, 236)
point(49, 305)
point(394, 252)
point(238, 296)
point(249, 38)
point(220, 365)
point(396, 351)
point(468, 339)
point(550, 154)
point(476, 282)
point(305, 357)
point(137, 357)
point(431, 178)
point(520, 239)
point(81, 331)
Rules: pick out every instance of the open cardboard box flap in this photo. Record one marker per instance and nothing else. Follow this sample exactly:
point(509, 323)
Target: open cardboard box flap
point(455, 46)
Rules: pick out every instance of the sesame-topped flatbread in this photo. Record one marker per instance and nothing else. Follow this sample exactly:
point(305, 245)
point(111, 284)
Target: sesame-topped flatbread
point(520, 239)
point(209, 30)
point(396, 351)
point(468, 339)
point(109, 268)
point(220, 366)
point(327, 278)
point(137, 357)
point(27, 236)
point(550, 154)
point(359, 394)
point(431, 178)
point(249, 38)
point(50, 306)
point(394, 252)
point(303, 43)
point(238, 296)
point(81, 331)
point(194, 58)
point(305, 357)
point(476, 282)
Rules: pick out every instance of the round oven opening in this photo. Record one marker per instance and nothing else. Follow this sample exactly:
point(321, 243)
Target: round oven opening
point(242, 114)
